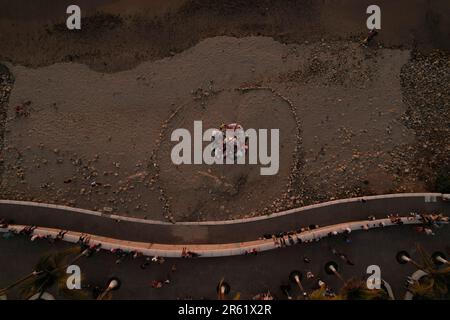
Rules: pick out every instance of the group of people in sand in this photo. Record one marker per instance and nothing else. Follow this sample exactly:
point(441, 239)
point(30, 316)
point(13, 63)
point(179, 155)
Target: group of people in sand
point(229, 141)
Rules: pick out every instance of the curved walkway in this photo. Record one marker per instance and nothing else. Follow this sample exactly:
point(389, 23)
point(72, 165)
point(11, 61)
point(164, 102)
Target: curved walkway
point(213, 250)
point(140, 230)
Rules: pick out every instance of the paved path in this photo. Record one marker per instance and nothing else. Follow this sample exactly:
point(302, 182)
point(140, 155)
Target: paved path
point(328, 213)
point(212, 250)
point(246, 274)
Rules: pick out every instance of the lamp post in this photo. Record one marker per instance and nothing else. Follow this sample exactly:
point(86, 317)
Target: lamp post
point(403, 257)
point(113, 284)
point(296, 277)
point(223, 288)
point(439, 258)
point(285, 288)
point(332, 268)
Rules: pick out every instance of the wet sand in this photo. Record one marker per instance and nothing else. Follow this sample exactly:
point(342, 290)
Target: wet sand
point(118, 35)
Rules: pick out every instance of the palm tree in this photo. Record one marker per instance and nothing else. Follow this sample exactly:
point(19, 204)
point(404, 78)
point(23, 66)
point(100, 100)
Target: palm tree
point(435, 285)
point(356, 289)
point(5, 290)
point(321, 294)
point(353, 289)
point(49, 271)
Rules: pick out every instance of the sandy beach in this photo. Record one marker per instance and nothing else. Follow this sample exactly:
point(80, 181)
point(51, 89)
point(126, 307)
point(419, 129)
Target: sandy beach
point(97, 106)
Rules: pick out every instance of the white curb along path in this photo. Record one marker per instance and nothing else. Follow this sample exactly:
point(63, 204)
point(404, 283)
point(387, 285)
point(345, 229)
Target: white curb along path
point(428, 197)
point(218, 232)
point(213, 250)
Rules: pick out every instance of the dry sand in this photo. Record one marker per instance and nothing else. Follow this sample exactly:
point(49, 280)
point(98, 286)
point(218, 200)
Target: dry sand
point(102, 102)
point(90, 137)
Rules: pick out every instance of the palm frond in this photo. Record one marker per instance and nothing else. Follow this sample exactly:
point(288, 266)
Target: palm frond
point(355, 289)
point(52, 266)
point(321, 294)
